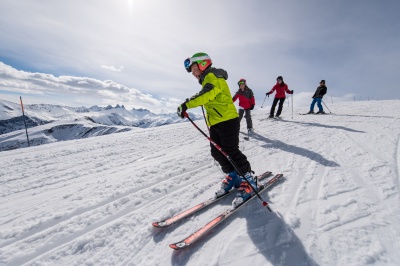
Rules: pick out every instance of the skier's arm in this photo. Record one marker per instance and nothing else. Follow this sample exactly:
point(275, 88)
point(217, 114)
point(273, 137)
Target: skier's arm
point(235, 97)
point(287, 90)
point(208, 93)
point(271, 91)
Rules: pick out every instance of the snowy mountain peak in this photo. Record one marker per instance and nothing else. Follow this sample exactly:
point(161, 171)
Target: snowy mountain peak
point(11, 120)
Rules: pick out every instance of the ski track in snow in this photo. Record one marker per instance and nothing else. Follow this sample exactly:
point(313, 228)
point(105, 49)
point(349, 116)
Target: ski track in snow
point(92, 201)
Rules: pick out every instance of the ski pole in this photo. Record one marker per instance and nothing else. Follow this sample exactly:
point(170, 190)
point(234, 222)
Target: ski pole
point(23, 114)
point(326, 106)
point(205, 120)
point(264, 203)
point(264, 101)
point(292, 105)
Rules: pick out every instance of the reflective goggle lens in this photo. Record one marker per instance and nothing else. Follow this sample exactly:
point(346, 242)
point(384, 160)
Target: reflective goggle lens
point(241, 82)
point(187, 63)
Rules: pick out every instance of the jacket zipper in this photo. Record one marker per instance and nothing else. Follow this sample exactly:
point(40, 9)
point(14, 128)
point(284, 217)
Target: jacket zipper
point(217, 112)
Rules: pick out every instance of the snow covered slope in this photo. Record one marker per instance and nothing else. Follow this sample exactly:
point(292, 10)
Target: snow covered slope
point(91, 201)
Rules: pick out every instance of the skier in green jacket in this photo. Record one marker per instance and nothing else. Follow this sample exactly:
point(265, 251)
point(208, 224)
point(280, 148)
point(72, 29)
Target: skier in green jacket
point(222, 117)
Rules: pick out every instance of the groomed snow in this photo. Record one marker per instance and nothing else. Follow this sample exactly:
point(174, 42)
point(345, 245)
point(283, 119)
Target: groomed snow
point(92, 201)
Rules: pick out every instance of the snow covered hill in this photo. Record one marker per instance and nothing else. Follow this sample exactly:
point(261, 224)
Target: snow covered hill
point(38, 114)
point(91, 201)
point(43, 120)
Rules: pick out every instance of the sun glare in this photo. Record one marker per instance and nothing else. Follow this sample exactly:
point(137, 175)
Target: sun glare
point(130, 5)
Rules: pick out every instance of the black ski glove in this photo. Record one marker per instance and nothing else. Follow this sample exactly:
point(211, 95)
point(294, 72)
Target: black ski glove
point(252, 107)
point(292, 91)
point(268, 94)
point(181, 111)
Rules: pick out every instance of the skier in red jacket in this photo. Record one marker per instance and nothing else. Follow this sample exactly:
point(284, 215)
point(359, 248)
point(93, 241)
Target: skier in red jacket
point(246, 103)
point(280, 88)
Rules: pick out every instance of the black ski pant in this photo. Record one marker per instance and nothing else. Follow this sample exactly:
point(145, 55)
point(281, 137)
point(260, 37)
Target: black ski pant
point(247, 116)
point(226, 135)
point(281, 101)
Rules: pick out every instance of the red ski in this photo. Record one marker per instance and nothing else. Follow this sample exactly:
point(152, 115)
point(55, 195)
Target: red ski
point(220, 218)
point(199, 207)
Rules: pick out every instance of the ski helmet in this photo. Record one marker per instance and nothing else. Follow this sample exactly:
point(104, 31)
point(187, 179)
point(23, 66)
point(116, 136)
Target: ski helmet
point(242, 81)
point(279, 78)
point(201, 59)
point(322, 81)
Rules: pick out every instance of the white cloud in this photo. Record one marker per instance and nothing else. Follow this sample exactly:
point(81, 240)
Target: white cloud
point(113, 68)
point(95, 92)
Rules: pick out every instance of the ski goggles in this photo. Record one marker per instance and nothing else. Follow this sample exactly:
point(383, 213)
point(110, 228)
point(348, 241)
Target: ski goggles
point(191, 60)
point(241, 82)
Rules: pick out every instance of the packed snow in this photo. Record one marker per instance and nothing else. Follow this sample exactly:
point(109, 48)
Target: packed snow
point(92, 201)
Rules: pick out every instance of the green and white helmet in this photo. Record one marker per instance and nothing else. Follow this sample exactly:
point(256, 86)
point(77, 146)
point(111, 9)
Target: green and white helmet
point(202, 60)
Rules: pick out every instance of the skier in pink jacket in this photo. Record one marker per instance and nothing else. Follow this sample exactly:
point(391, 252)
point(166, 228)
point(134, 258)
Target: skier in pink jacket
point(281, 89)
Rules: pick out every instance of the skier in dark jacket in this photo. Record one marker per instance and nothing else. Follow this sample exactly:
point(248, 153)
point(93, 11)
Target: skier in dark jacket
point(280, 87)
point(317, 98)
point(222, 117)
point(246, 103)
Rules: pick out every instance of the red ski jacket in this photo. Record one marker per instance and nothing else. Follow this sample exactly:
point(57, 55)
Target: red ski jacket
point(246, 98)
point(280, 90)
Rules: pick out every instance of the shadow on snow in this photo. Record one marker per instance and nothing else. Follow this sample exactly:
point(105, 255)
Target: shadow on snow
point(272, 237)
point(313, 124)
point(294, 149)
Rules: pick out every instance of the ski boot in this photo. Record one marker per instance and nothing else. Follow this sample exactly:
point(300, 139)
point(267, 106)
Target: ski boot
point(230, 180)
point(321, 112)
point(245, 190)
point(311, 112)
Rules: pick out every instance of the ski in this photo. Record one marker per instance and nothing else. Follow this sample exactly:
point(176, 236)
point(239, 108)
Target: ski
point(220, 218)
point(200, 206)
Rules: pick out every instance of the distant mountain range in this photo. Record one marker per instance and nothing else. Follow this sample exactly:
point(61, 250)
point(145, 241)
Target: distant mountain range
point(50, 123)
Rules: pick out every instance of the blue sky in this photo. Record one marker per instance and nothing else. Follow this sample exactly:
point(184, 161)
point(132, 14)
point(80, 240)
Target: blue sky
point(131, 52)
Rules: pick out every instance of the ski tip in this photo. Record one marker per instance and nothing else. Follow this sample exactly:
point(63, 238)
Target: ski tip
point(159, 224)
point(173, 246)
point(178, 246)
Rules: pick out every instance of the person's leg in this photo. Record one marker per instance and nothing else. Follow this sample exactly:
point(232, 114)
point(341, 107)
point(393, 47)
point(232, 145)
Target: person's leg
point(314, 101)
point(271, 113)
point(321, 109)
point(241, 112)
point(248, 119)
point(216, 154)
point(228, 137)
point(281, 101)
